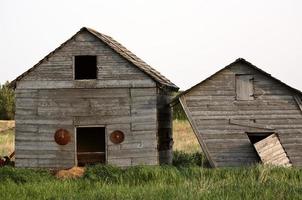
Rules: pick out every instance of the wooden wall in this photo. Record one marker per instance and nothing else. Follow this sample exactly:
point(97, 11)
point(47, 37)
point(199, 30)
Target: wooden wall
point(221, 122)
point(113, 70)
point(122, 98)
point(165, 118)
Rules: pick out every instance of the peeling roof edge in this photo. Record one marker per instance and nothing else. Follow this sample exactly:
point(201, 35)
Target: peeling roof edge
point(239, 60)
point(119, 49)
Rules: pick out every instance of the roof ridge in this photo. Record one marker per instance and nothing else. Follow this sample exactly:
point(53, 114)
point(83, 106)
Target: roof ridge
point(118, 48)
point(236, 61)
point(134, 59)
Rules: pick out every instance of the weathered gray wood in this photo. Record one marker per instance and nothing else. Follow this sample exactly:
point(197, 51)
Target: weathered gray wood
point(252, 125)
point(244, 87)
point(133, 153)
point(56, 108)
point(252, 116)
point(194, 127)
point(122, 98)
point(210, 107)
point(53, 84)
point(113, 69)
point(122, 162)
point(299, 101)
point(271, 151)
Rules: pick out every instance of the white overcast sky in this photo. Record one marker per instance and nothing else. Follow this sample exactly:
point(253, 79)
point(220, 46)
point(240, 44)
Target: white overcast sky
point(186, 41)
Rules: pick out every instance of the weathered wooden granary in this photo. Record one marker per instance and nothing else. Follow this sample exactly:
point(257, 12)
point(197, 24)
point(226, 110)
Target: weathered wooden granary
point(239, 106)
point(92, 101)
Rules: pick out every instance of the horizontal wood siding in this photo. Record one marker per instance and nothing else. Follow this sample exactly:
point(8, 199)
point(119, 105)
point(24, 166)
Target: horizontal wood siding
point(57, 70)
point(213, 104)
point(121, 98)
point(34, 142)
point(40, 112)
point(140, 145)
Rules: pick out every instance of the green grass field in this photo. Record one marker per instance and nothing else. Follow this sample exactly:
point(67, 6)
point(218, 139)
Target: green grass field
point(165, 182)
point(186, 179)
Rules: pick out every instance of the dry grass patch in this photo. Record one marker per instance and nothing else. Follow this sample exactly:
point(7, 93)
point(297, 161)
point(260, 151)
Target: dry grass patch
point(7, 137)
point(7, 142)
point(75, 172)
point(184, 137)
point(6, 124)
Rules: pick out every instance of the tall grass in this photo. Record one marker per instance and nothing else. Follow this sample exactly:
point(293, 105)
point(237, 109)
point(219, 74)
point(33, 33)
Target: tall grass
point(178, 112)
point(155, 182)
point(188, 178)
point(183, 159)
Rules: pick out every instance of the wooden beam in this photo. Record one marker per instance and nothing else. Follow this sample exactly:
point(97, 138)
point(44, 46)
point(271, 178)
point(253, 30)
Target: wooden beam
point(299, 101)
point(251, 125)
point(195, 130)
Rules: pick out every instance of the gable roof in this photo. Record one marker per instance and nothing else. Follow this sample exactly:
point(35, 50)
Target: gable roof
point(239, 60)
point(118, 48)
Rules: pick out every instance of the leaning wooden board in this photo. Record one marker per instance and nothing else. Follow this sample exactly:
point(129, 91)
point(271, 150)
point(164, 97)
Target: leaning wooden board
point(271, 151)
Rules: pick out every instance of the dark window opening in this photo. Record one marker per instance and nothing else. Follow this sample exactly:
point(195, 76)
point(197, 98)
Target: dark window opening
point(91, 147)
point(85, 67)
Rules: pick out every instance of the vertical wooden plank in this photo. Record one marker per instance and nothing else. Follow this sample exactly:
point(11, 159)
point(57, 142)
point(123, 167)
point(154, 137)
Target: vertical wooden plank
point(195, 130)
point(244, 87)
point(298, 101)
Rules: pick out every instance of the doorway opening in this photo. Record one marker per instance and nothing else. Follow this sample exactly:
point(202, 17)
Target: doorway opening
point(256, 137)
point(91, 145)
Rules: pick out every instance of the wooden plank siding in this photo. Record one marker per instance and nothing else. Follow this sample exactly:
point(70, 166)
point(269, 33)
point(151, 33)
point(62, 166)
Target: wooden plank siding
point(212, 107)
point(122, 98)
point(113, 70)
point(271, 151)
point(244, 87)
point(130, 110)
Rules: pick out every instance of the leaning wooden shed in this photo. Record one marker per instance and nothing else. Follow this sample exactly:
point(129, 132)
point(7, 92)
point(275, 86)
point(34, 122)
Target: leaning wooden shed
point(242, 115)
point(92, 101)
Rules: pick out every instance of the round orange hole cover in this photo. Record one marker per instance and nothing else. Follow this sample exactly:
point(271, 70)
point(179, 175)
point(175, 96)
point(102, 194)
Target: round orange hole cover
point(117, 137)
point(62, 136)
